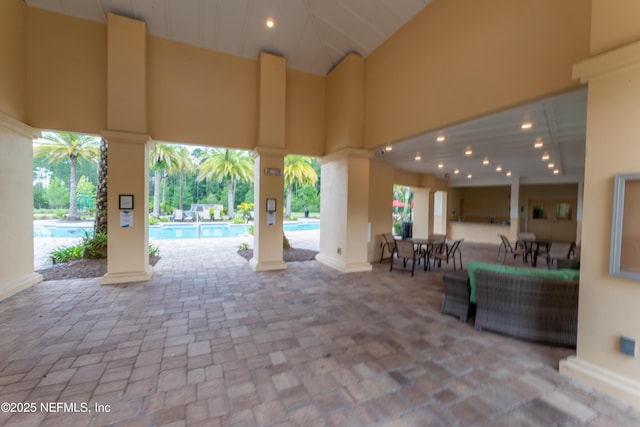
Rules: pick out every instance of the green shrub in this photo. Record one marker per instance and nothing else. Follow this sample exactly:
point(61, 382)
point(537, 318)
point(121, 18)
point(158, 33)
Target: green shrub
point(154, 250)
point(250, 231)
point(164, 219)
point(154, 221)
point(243, 246)
point(397, 228)
point(238, 219)
point(68, 253)
point(95, 247)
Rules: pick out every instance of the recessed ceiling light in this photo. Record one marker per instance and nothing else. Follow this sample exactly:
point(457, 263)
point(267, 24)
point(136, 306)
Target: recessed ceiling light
point(545, 156)
point(468, 152)
point(456, 171)
point(498, 168)
point(388, 148)
point(538, 144)
point(556, 171)
point(418, 156)
point(526, 125)
point(440, 138)
point(270, 22)
point(469, 176)
point(551, 165)
point(485, 161)
point(440, 165)
point(508, 173)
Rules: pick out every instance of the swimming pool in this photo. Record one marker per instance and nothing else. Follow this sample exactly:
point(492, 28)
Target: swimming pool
point(172, 231)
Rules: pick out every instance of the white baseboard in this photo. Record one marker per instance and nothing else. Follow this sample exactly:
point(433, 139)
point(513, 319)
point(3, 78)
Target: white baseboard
point(603, 380)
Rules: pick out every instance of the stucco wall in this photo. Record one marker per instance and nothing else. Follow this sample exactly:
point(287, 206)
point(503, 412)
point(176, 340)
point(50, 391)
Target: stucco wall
point(13, 59)
point(16, 196)
point(66, 73)
point(461, 59)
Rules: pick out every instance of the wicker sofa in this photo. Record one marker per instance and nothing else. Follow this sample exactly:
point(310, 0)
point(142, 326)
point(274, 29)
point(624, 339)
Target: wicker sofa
point(533, 304)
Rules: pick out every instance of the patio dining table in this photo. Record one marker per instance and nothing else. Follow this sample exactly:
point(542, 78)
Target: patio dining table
point(427, 247)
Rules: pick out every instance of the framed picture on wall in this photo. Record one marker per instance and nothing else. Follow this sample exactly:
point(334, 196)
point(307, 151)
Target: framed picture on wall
point(538, 211)
point(563, 211)
point(125, 201)
point(624, 260)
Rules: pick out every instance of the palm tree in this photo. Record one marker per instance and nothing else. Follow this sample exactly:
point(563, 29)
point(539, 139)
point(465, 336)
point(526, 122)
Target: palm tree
point(231, 166)
point(68, 146)
point(100, 224)
point(183, 165)
point(297, 171)
point(161, 157)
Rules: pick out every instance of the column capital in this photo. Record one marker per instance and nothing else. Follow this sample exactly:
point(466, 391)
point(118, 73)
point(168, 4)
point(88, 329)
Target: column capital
point(623, 58)
point(18, 127)
point(140, 138)
point(346, 153)
point(268, 151)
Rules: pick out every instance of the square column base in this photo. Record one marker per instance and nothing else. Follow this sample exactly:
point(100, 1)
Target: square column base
point(127, 277)
point(20, 285)
point(355, 267)
point(267, 265)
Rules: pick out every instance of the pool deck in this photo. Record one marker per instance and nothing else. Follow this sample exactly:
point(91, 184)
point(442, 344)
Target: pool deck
point(42, 247)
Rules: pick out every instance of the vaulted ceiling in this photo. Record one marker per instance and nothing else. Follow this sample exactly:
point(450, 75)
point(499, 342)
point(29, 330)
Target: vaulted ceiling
point(314, 35)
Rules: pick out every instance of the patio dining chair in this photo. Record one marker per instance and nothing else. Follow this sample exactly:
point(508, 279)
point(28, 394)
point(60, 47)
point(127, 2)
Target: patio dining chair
point(449, 252)
point(506, 248)
point(527, 241)
point(559, 252)
point(389, 243)
point(406, 252)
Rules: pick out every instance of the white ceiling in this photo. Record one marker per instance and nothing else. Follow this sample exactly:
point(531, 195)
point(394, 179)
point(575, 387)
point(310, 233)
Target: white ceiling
point(559, 122)
point(314, 35)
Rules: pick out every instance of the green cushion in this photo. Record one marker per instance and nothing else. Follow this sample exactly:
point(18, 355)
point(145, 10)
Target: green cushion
point(472, 266)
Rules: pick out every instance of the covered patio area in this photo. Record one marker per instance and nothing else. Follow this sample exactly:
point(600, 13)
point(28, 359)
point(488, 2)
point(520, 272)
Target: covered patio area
point(208, 341)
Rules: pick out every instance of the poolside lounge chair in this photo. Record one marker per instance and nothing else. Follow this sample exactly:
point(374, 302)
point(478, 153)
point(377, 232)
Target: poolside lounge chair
point(178, 215)
point(205, 215)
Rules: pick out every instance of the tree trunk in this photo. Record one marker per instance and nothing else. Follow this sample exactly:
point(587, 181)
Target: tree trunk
point(156, 193)
point(289, 195)
point(100, 224)
point(407, 194)
point(73, 197)
point(165, 179)
point(181, 189)
point(230, 198)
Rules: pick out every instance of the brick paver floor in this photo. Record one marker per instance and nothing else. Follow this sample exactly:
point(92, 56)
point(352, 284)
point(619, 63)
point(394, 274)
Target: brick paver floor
point(209, 342)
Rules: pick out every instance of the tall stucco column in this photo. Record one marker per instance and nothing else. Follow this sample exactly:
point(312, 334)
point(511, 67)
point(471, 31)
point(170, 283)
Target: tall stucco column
point(16, 193)
point(126, 134)
point(267, 226)
point(344, 208)
point(128, 250)
point(514, 208)
point(269, 164)
point(608, 305)
point(423, 211)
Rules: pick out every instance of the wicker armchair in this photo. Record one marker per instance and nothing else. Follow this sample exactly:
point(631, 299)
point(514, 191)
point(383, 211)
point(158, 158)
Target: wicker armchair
point(456, 295)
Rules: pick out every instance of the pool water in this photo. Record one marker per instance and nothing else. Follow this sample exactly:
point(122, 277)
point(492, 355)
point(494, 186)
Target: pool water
point(172, 231)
